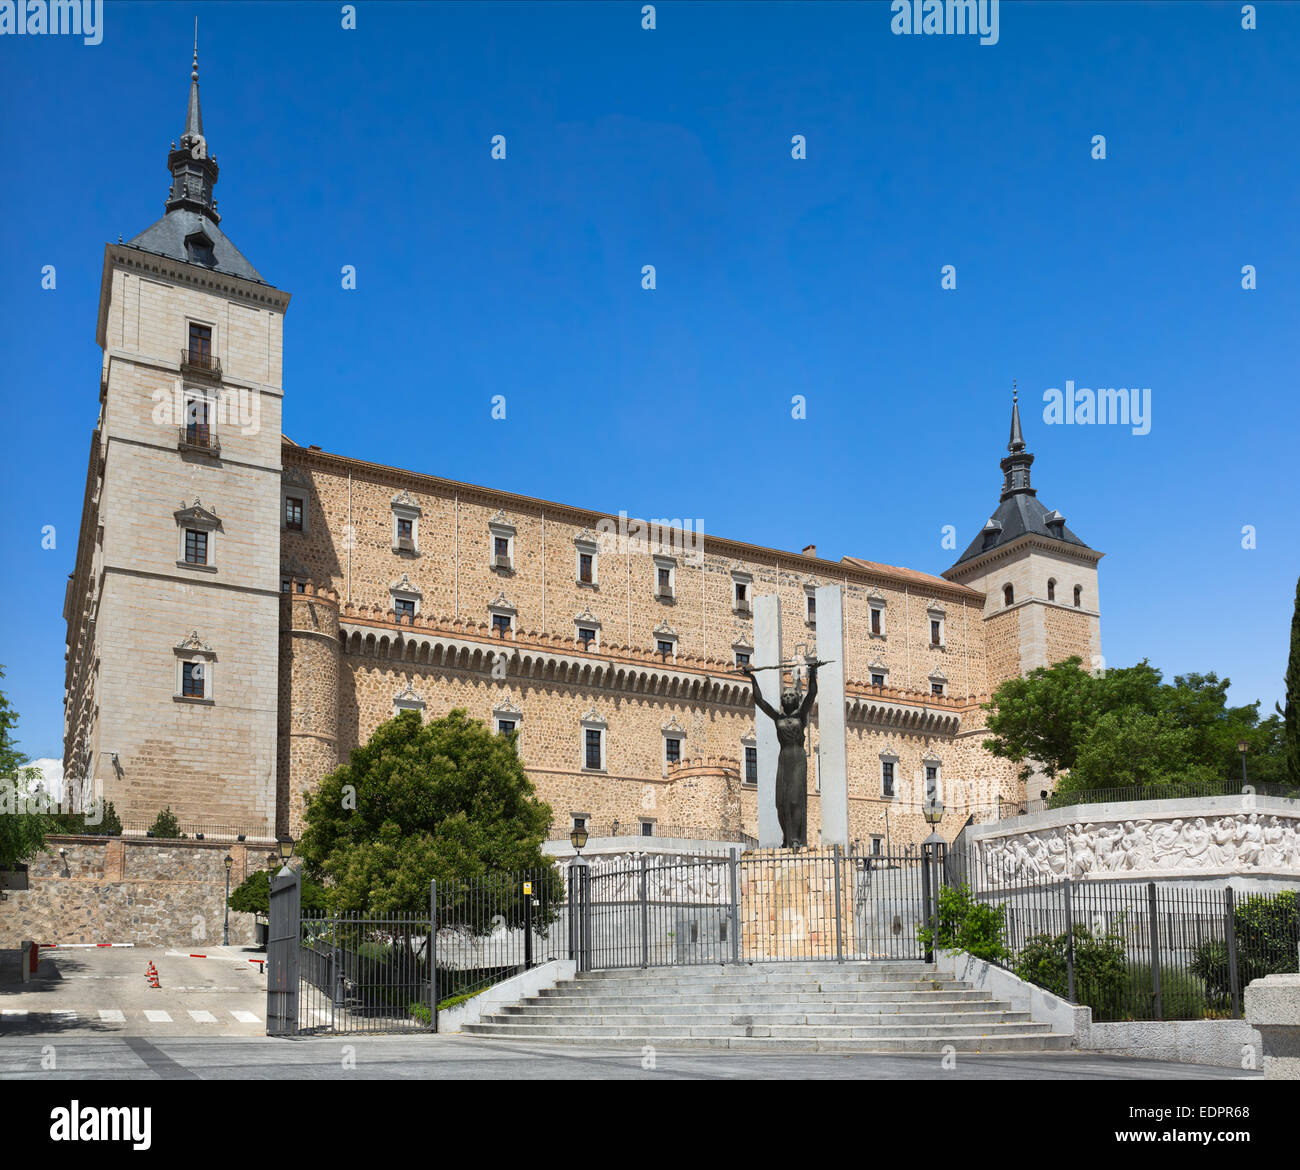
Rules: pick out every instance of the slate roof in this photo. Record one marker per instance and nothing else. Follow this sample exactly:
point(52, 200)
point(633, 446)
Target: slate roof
point(167, 238)
point(1018, 515)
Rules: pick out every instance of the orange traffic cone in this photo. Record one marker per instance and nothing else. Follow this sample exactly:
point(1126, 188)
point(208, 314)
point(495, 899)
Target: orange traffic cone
point(153, 981)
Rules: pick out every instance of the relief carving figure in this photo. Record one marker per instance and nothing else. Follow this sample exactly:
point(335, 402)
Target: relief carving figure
point(1250, 840)
point(1081, 855)
point(1058, 856)
point(1196, 842)
point(1165, 844)
point(1223, 845)
point(1274, 851)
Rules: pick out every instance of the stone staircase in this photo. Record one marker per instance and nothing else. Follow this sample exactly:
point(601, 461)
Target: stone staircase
point(894, 1006)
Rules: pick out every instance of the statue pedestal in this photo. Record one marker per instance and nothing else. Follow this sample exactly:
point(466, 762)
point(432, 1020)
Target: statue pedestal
point(787, 904)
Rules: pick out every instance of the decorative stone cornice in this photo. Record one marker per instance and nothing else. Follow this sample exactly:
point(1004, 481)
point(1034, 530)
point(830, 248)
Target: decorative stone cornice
point(408, 697)
point(501, 604)
point(672, 727)
point(593, 718)
point(193, 644)
point(196, 515)
point(506, 706)
point(405, 502)
point(403, 587)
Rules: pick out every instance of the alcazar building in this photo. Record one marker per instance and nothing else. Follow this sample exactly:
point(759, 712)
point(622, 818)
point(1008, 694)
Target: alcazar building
point(245, 610)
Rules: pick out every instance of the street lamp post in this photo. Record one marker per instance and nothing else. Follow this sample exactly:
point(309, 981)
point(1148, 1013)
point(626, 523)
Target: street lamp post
point(931, 874)
point(1243, 747)
point(579, 892)
point(225, 938)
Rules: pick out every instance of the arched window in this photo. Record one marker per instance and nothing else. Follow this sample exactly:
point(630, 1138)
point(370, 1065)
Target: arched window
point(1078, 596)
point(1051, 589)
point(1008, 595)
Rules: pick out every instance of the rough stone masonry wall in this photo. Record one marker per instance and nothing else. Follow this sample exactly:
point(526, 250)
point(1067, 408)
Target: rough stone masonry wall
point(123, 889)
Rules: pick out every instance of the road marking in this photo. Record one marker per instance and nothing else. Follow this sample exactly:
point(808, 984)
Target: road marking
point(203, 1017)
point(111, 1016)
point(156, 1017)
point(66, 1013)
point(246, 1017)
point(16, 1013)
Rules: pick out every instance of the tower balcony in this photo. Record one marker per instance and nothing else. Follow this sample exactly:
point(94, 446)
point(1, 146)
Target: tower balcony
point(198, 363)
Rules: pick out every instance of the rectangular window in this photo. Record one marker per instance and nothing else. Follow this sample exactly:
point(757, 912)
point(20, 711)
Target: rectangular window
point(931, 776)
point(665, 582)
point(201, 346)
point(404, 608)
point(812, 607)
point(293, 513)
point(196, 547)
point(875, 621)
point(936, 689)
point(586, 636)
point(579, 822)
point(505, 726)
point(876, 843)
point(877, 680)
point(593, 748)
point(284, 584)
point(647, 828)
point(751, 765)
point(192, 680)
point(665, 648)
point(584, 568)
point(405, 529)
point(197, 431)
point(887, 778)
point(673, 750)
point(742, 659)
point(936, 632)
point(500, 624)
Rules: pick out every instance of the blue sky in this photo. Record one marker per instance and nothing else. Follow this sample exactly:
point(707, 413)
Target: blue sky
point(775, 276)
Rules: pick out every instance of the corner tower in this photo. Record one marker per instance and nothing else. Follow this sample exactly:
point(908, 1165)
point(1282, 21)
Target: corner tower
point(1039, 579)
point(173, 606)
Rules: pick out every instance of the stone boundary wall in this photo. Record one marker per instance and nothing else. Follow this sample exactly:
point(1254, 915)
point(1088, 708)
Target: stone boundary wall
point(140, 890)
point(1225, 1043)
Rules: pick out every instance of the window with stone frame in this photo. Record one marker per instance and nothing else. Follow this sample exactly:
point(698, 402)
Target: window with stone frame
point(586, 636)
point(936, 690)
point(751, 765)
point(501, 623)
point(887, 778)
point(742, 659)
point(200, 347)
point(192, 675)
point(586, 568)
point(594, 748)
point(672, 750)
point(196, 547)
point(404, 608)
point(877, 678)
point(293, 510)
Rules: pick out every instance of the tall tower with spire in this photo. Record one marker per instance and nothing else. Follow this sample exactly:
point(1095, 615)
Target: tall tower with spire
point(1039, 578)
point(173, 606)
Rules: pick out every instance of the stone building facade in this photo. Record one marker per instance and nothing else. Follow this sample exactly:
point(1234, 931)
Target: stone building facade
point(244, 610)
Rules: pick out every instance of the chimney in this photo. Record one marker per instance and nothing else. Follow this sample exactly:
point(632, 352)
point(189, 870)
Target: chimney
point(810, 550)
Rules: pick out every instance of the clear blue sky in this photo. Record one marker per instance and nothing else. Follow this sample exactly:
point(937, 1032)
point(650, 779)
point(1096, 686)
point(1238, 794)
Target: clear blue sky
point(776, 277)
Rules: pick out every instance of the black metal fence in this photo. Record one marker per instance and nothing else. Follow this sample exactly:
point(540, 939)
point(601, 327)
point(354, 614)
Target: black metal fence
point(1128, 950)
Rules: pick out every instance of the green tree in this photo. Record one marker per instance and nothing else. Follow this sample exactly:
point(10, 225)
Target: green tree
point(166, 825)
point(1290, 714)
point(1042, 717)
point(253, 894)
point(23, 819)
point(967, 925)
point(1130, 748)
point(447, 800)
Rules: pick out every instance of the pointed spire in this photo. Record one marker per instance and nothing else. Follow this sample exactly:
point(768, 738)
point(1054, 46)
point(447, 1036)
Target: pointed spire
point(194, 171)
point(1017, 442)
point(1015, 467)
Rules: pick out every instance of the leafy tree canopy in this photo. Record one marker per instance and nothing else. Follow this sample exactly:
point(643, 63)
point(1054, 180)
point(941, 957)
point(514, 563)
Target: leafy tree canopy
point(1129, 727)
point(253, 894)
point(22, 824)
point(445, 800)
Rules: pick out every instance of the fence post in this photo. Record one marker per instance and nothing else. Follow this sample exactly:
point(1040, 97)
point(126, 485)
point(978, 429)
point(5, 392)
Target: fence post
point(734, 867)
point(433, 952)
point(839, 917)
point(931, 925)
point(584, 915)
point(1155, 949)
point(645, 916)
point(528, 928)
point(1069, 944)
point(1230, 934)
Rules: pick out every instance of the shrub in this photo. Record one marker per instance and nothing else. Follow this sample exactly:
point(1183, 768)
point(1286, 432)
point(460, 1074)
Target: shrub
point(967, 925)
point(166, 825)
point(1182, 995)
point(1267, 932)
point(1099, 967)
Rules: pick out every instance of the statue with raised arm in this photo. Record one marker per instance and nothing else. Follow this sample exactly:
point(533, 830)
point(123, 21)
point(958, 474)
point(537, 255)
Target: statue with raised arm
point(792, 763)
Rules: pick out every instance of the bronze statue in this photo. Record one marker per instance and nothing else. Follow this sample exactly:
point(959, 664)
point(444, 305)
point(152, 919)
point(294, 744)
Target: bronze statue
point(792, 764)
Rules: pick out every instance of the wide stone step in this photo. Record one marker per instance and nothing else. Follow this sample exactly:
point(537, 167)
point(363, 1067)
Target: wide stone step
point(581, 995)
point(737, 1004)
point(654, 980)
point(597, 1032)
point(634, 1018)
point(770, 972)
point(936, 1046)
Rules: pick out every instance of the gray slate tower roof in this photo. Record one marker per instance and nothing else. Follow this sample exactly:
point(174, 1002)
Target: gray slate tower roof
point(189, 230)
point(1019, 511)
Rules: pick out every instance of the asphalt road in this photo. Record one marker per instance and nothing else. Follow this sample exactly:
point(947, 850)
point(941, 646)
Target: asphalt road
point(78, 1056)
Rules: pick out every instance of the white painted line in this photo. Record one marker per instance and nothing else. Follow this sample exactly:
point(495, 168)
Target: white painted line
point(203, 1017)
point(16, 1013)
point(246, 1017)
point(111, 1016)
point(66, 1013)
point(156, 1017)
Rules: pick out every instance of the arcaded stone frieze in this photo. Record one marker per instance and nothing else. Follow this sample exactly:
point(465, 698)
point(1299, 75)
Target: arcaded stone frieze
point(1168, 844)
